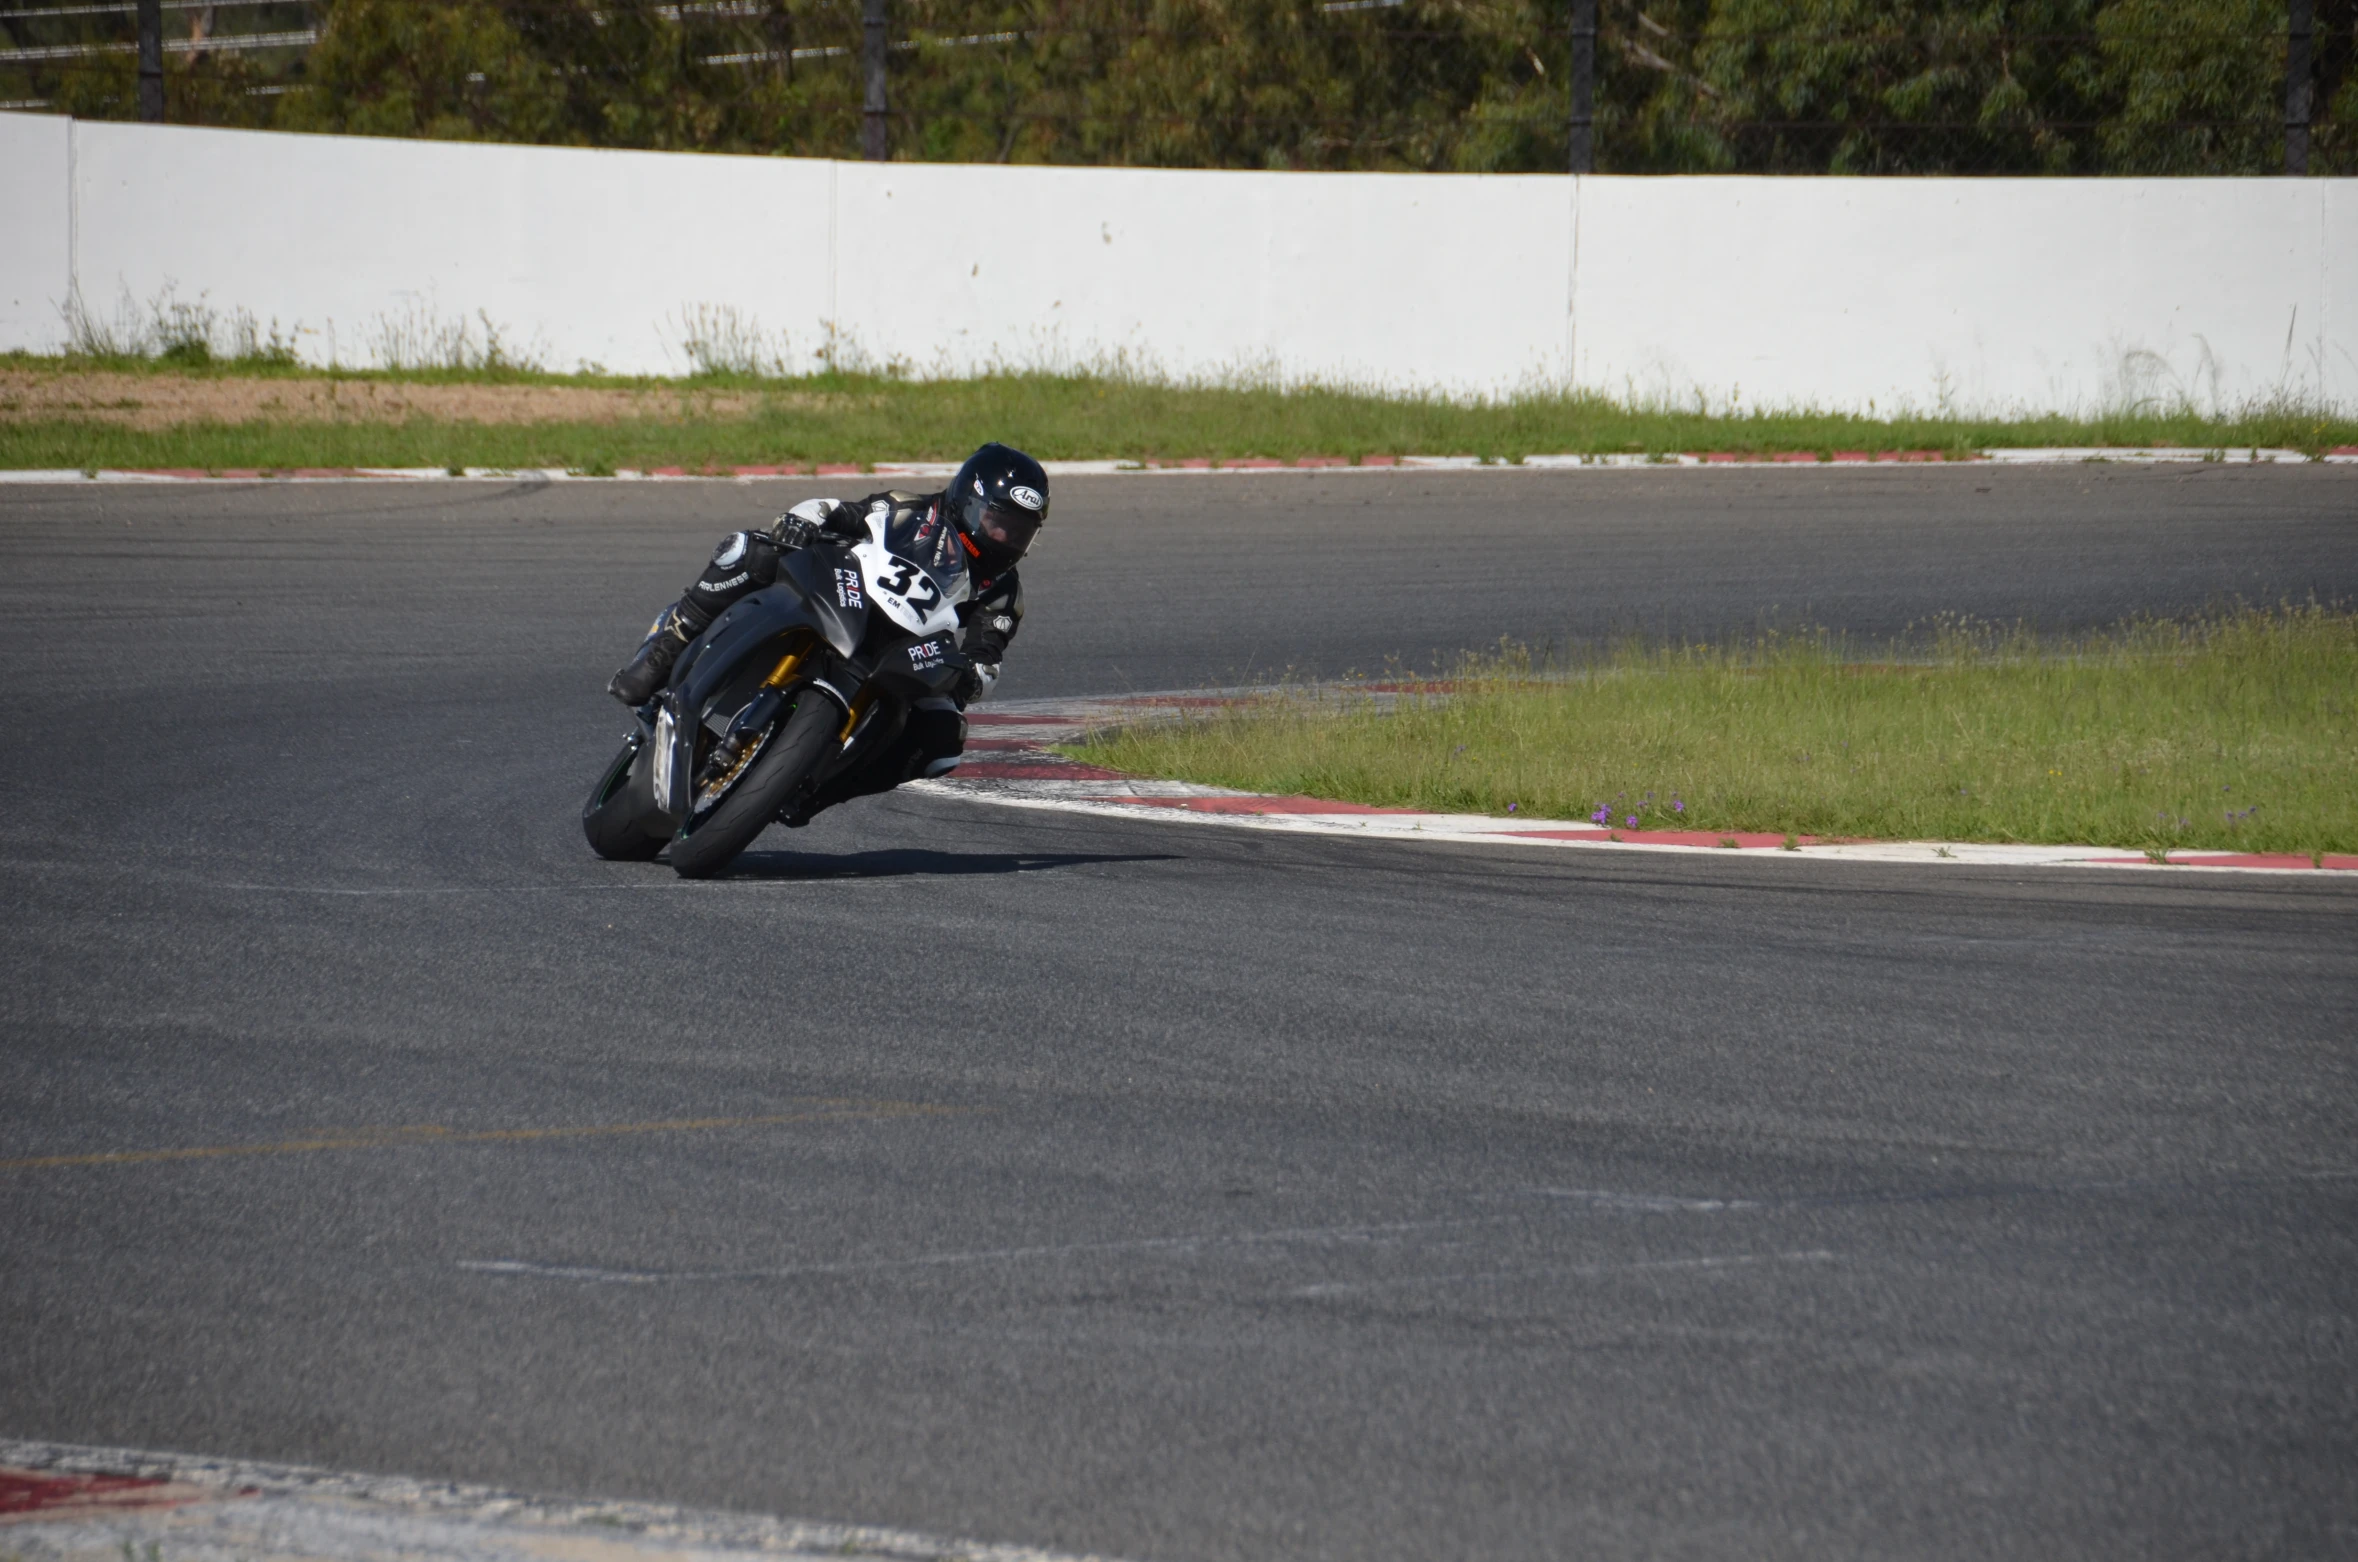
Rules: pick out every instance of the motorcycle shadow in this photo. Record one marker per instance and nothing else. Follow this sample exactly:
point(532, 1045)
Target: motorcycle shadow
point(919, 862)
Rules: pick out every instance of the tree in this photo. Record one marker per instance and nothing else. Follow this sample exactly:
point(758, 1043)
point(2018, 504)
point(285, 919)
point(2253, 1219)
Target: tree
point(452, 70)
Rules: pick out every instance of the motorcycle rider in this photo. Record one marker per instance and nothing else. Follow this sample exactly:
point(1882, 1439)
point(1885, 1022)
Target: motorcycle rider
point(996, 505)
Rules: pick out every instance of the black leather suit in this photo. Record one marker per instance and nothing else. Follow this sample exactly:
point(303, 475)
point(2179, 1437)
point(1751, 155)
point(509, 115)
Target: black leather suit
point(936, 734)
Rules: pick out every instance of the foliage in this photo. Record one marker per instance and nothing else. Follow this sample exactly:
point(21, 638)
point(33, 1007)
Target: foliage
point(456, 71)
point(2185, 80)
point(201, 86)
point(1899, 86)
point(1842, 86)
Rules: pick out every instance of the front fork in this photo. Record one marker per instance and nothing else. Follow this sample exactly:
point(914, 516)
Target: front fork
point(676, 771)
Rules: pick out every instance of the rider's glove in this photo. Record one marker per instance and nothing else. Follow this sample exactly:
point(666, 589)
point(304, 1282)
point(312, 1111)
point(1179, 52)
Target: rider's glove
point(801, 526)
point(978, 682)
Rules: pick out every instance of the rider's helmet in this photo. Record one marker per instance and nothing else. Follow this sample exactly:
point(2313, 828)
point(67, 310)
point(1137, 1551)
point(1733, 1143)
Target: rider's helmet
point(998, 500)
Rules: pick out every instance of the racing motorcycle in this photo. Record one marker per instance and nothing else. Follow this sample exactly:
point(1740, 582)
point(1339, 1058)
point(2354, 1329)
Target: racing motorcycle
point(790, 687)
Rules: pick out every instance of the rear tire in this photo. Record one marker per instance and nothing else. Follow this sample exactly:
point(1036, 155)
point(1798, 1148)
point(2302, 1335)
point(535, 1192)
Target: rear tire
point(616, 816)
point(710, 843)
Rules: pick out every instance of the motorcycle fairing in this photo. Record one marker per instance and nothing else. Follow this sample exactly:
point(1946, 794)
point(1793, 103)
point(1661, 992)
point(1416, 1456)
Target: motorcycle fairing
point(746, 626)
point(935, 665)
point(908, 593)
point(832, 590)
point(674, 757)
point(913, 567)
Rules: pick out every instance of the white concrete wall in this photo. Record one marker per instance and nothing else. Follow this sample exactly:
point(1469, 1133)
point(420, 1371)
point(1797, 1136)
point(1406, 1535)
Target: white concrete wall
point(36, 230)
point(1974, 295)
point(2337, 285)
point(577, 256)
point(1387, 279)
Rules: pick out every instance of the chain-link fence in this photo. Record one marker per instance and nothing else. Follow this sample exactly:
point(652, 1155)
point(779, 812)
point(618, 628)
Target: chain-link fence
point(1672, 86)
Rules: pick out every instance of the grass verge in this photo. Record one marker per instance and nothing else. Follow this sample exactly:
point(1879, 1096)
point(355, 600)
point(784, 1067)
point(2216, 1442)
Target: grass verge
point(857, 418)
point(2236, 732)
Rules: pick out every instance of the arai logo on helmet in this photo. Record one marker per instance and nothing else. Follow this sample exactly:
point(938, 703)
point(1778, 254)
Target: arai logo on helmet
point(1029, 498)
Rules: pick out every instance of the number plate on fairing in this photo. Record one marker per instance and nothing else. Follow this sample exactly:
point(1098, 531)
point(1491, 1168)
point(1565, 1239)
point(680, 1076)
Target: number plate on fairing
point(909, 594)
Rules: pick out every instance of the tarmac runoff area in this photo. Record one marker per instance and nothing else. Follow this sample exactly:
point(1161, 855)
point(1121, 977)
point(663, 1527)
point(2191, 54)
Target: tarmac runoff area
point(63, 1503)
point(1073, 1181)
point(1011, 761)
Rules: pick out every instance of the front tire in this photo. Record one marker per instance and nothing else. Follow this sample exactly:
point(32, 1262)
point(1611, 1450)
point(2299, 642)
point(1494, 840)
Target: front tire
point(618, 811)
point(712, 841)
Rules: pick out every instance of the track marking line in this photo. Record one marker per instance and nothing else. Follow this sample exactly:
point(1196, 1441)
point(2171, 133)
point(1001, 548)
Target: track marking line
point(433, 1134)
point(1639, 1201)
point(1307, 1235)
point(1780, 1203)
point(1566, 1272)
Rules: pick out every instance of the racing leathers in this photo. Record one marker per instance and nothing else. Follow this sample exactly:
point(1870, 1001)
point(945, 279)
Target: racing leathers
point(747, 561)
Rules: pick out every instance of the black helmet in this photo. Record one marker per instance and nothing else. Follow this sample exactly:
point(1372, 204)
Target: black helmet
point(999, 500)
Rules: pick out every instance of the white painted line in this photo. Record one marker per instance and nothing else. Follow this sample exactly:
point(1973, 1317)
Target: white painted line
point(1484, 830)
point(1650, 1203)
point(1564, 1272)
point(1188, 1246)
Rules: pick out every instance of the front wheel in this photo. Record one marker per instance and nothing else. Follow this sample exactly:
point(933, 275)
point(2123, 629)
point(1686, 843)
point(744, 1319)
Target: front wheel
point(711, 841)
point(620, 810)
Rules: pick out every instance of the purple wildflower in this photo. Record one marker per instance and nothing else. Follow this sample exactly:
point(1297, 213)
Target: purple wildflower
point(1629, 823)
point(1677, 807)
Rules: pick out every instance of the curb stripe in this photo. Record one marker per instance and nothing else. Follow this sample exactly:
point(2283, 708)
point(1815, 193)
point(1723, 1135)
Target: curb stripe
point(245, 1508)
point(1023, 772)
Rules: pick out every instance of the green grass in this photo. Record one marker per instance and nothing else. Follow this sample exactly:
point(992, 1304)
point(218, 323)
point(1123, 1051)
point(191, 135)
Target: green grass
point(865, 418)
point(2237, 732)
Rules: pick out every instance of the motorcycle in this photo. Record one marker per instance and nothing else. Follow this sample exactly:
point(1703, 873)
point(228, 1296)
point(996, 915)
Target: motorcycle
point(789, 688)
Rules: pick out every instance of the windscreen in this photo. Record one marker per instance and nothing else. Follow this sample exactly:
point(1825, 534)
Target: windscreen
point(924, 537)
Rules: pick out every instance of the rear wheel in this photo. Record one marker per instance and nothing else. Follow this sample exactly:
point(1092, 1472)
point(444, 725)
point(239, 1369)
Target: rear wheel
point(618, 812)
point(711, 840)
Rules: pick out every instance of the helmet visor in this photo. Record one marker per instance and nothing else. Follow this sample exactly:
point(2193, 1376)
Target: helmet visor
point(1003, 528)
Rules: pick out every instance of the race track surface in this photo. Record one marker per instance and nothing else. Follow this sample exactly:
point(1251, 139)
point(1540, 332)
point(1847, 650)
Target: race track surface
point(1174, 1193)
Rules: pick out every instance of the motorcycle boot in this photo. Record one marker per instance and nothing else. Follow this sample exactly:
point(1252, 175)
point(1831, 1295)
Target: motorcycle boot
point(645, 672)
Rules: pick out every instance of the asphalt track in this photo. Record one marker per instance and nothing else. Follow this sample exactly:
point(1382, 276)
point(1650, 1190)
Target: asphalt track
point(1173, 1192)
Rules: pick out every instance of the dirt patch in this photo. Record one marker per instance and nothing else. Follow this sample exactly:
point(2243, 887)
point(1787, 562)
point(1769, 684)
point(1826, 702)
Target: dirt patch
point(161, 401)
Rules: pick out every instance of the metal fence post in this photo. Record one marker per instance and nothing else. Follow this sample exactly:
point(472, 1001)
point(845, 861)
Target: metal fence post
point(2298, 88)
point(875, 137)
point(1584, 86)
point(151, 61)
